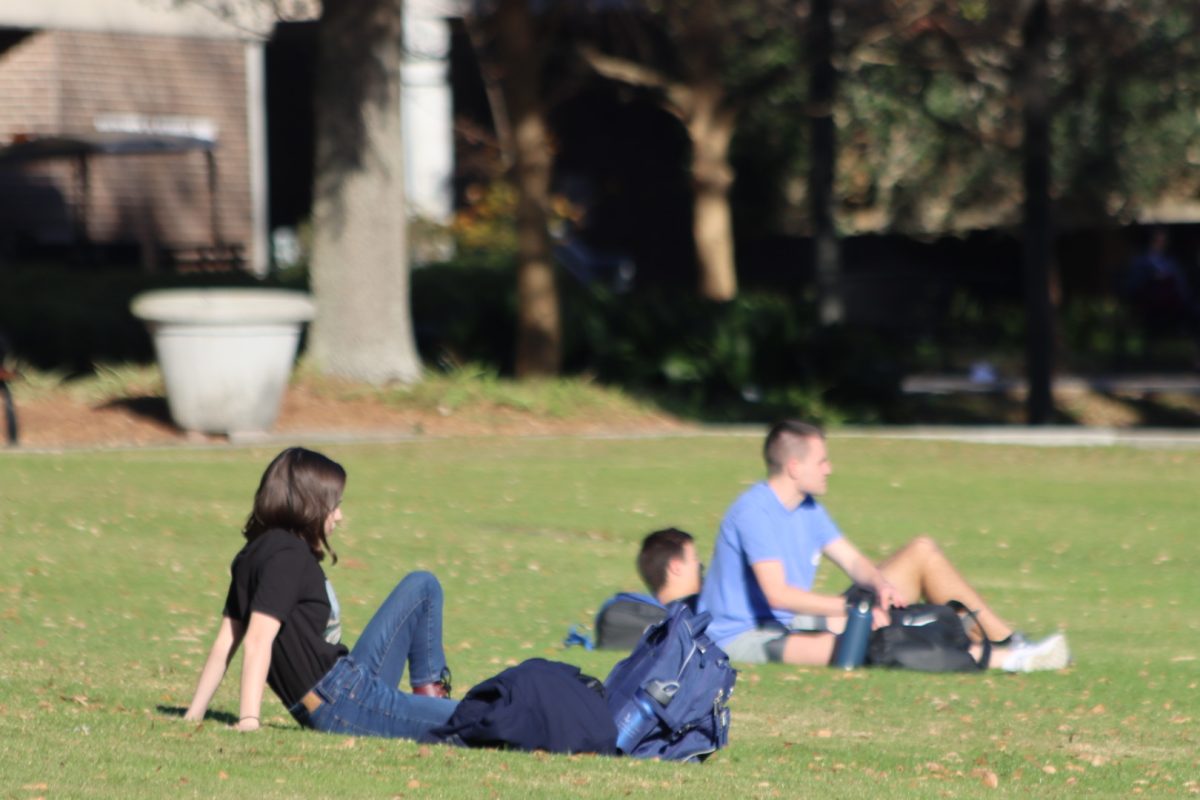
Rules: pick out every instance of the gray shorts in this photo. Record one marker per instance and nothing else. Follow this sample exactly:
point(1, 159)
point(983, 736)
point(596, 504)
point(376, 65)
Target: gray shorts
point(765, 643)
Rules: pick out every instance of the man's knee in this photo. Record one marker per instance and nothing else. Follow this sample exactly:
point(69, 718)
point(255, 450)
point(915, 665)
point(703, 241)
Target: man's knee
point(921, 548)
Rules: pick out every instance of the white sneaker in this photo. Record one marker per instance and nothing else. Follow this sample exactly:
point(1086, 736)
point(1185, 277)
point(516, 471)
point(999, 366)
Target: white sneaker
point(1050, 653)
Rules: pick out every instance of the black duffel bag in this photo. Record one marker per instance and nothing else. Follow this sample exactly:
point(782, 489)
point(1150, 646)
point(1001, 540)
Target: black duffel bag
point(929, 637)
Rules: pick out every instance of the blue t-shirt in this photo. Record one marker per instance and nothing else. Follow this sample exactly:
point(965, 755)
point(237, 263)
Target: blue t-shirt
point(757, 528)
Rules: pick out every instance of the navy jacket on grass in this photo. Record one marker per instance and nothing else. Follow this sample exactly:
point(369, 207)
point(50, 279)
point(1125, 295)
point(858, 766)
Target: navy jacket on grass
point(536, 705)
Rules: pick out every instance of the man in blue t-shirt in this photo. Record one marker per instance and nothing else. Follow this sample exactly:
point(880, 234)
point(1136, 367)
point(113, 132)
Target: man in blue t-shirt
point(759, 587)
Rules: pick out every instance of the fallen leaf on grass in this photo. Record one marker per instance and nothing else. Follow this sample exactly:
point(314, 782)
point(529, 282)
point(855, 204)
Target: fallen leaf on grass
point(414, 784)
point(348, 743)
point(223, 775)
point(987, 777)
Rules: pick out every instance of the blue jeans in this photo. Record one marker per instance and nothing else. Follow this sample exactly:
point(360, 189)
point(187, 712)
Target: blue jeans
point(360, 695)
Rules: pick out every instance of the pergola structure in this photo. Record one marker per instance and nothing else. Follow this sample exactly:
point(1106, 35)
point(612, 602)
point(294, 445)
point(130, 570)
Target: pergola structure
point(81, 149)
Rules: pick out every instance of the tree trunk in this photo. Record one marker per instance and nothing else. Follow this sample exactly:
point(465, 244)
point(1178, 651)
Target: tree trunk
point(822, 91)
point(710, 125)
point(539, 328)
point(363, 328)
point(1038, 229)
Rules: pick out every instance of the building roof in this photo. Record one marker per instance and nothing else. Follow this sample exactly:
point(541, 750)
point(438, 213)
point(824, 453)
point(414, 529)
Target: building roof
point(215, 19)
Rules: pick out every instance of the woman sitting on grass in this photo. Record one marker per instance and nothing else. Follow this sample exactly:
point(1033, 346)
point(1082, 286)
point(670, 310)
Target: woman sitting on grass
point(285, 612)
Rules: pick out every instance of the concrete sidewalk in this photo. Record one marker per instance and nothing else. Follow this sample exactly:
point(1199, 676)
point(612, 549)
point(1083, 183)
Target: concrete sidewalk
point(1034, 436)
point(1118, 384)
point(1019, 435)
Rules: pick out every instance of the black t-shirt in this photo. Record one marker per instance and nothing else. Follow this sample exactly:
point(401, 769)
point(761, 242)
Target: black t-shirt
point(276, 574)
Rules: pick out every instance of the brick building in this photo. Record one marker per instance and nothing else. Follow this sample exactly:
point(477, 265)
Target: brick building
point(98, 74)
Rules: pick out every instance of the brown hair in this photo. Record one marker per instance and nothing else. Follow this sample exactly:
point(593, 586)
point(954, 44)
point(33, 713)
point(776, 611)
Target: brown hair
point(297, 493)
point(788, 439)
point(658, 549)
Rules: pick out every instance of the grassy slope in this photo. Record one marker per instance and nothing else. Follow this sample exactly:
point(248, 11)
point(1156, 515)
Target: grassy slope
point(115, 566)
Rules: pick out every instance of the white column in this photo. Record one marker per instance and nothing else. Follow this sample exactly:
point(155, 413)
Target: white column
point(427, 111)
point(256, 131)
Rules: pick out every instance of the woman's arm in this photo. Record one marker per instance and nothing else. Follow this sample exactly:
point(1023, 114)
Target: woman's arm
point(256, 662)
point(229, 635)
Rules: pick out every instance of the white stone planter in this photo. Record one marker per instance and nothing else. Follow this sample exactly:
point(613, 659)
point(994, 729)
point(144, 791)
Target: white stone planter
point(225, 354)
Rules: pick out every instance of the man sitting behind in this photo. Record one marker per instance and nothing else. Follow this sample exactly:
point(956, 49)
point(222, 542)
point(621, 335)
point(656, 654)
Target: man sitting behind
point(669, 566)
point(771, 540)
point(671, 570)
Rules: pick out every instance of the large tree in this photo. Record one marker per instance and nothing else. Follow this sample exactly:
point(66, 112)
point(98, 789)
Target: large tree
point(363, 328)
point(511, 43)
point(510, 40)
point(359, 268)
point(1017, 114)
point(1033, 91)
point(822, 170)
point(703, 61)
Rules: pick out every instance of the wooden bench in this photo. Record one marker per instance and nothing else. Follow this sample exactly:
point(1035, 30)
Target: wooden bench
point(207, 257)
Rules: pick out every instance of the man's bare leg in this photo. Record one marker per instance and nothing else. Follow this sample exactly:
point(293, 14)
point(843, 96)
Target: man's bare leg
point(921, 570)
point(815, 649)
point(998, 656)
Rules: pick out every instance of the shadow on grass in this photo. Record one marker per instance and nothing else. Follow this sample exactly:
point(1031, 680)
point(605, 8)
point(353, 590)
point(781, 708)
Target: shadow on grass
point(153, 409)
point(1161, 411)
point(967, 409)
point(217, 716)
point(1104, 408)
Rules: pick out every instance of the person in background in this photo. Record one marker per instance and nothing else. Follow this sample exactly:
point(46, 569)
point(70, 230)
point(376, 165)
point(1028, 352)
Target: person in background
point(759, 590)
point(668, 565)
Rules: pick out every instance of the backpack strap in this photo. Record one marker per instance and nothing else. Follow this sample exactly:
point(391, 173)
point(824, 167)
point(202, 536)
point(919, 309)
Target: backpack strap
point(700, 622)
point(632, 597)
point(986, 656)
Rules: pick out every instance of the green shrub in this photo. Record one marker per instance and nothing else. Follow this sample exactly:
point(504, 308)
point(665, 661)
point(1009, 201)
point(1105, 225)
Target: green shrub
point(67, 319)
point(755, 357)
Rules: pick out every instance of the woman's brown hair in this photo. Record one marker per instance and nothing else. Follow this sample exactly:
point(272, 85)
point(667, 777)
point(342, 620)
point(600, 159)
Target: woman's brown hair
point(297, 493)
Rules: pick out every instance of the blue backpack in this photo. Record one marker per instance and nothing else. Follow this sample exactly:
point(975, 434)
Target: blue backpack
point(669, 697)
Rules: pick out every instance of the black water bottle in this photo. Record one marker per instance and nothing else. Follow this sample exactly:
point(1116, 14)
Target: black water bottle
point(851, 649)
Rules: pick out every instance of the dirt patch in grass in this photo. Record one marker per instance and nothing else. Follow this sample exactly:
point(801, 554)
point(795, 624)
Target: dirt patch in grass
point(126, 406)
point(70, 418)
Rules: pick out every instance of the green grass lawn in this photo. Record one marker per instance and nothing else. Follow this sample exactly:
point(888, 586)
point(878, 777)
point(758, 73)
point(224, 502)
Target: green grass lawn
point(115, 567)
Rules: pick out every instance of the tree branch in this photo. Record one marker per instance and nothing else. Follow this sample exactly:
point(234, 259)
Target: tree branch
point(677, 98)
